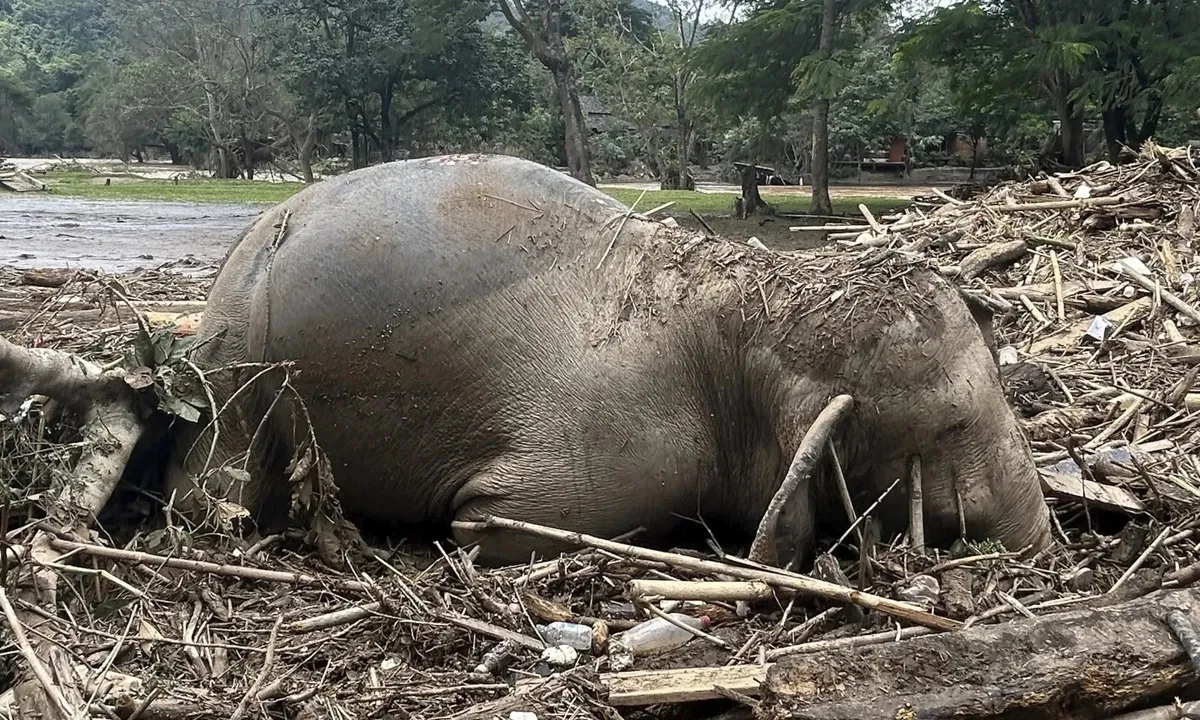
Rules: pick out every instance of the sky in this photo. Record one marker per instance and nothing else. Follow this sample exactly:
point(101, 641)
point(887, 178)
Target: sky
point(714, 10)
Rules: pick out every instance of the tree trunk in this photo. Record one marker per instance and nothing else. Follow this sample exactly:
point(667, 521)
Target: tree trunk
point(684, 145)
point(247, 158)
point(306, 148)
point(1070, 117)
point(750, 200)
point(385, 120)
point(1083, 664)
point(1115, 132)
point(575, 129)
point(547, 46)
point(821, 204)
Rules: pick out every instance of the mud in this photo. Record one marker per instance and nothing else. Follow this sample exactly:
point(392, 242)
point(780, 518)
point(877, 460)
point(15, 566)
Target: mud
point(115, 236)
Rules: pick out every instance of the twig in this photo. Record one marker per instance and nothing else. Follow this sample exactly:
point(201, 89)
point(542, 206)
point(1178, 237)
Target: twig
point(338, 617)
point(856, 641)
point(694, 631)
point(142, 558)
point(1141, 559)
point(35, 663)
point(791, 581)
point(866, 513)
point(268, 663)
point(916, 504)
point(1152, 286)
point(1058, 286)
point(844, 490)
point(645, 590)
point(620, 227)
point(1055, 205)
point(707, 228)
point(803, 464)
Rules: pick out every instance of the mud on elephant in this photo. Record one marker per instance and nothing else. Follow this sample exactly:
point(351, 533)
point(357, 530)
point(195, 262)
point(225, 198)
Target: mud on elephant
point(472, 336)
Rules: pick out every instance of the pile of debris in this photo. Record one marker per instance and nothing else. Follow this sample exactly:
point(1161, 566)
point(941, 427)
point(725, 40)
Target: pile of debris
point(1098, 334)
point(13, 179)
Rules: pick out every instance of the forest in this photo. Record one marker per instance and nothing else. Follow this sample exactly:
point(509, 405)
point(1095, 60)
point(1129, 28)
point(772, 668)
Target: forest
point(603, 88)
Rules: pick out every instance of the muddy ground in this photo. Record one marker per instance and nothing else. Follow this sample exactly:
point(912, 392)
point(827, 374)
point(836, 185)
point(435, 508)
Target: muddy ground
point(115, 236)
point(121, 236)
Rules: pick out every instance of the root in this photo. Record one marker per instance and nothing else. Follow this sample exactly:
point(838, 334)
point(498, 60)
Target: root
point(65, 377)
point(803, 464)
point(111, 429)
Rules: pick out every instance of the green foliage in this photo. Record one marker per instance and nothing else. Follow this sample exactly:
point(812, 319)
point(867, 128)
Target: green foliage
point(1126, 62)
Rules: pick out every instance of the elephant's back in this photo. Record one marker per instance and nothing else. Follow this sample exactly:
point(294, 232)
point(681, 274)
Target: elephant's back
point(431, 308)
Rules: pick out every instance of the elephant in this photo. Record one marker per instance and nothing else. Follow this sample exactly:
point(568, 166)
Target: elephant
point(480, 335)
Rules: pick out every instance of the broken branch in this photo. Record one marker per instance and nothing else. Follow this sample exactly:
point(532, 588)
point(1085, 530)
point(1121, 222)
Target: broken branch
point(791, 581)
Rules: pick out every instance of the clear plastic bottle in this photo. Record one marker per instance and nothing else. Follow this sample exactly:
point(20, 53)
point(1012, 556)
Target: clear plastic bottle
point(658, 635)
point(572, 635)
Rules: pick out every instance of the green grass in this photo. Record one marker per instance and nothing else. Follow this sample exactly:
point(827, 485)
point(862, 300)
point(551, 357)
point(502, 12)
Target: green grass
point(130, 187)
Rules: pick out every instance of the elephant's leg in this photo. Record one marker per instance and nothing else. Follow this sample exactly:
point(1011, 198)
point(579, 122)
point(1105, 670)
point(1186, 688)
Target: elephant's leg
point(544, 493)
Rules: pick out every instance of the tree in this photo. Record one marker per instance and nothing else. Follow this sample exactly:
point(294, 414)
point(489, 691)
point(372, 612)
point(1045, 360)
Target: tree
point(768, 63)
point(645, 73)
point(544, 38)
point(1139, 46)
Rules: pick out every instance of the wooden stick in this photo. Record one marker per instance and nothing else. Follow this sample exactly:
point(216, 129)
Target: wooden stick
point(620, 227)
point(492, 631)
point(803, 464)
point(707, 591)
point(916, 504)
point(875, 226)
point(844, 490)
point(790, 581)
point(1058, 285)
point(1055, 205)
point(35, 663)
point(268, 663)
point(848, 642)
point(1152, 287)
point(141, 558)
point(990, 256)
point(338, 617)
point(687, 628)
point(1141, 559)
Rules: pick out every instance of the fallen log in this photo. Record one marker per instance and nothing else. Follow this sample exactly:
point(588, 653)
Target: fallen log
point(1082, 664)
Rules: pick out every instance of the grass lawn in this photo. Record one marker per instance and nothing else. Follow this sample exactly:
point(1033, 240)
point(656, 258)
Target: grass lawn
point(129, 187)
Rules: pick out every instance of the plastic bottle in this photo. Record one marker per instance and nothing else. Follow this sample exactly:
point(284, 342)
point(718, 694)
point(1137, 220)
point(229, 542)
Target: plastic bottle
point(659, 635)
point(572, 635)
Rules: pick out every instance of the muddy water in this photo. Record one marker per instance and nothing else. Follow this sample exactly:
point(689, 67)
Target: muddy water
point(115, 236)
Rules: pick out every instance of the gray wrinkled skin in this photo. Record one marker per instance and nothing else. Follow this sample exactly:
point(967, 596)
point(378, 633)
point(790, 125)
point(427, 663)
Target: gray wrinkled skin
point(462, 354)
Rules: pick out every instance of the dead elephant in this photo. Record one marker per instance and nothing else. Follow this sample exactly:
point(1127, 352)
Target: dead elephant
point(474, 337)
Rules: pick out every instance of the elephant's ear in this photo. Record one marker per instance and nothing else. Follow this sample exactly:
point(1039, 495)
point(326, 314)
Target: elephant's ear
point(983, 312)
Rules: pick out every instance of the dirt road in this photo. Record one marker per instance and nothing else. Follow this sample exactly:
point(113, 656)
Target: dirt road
point(114, 236)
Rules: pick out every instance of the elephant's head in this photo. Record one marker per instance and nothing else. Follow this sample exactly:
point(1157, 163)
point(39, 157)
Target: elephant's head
point(926, 384)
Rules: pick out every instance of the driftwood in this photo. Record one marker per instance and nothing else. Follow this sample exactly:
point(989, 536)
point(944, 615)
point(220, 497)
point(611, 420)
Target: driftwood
point(111, 428)
point(990, 256)
point(1084, 664)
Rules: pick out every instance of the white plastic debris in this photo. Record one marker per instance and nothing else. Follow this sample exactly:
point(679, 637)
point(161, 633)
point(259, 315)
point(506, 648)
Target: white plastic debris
point(756, 243)
point(560, 656)
point(1135, 264)
point(520, 715)
point(1008, 355)
point(1100, 325)
point(1083, 192)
